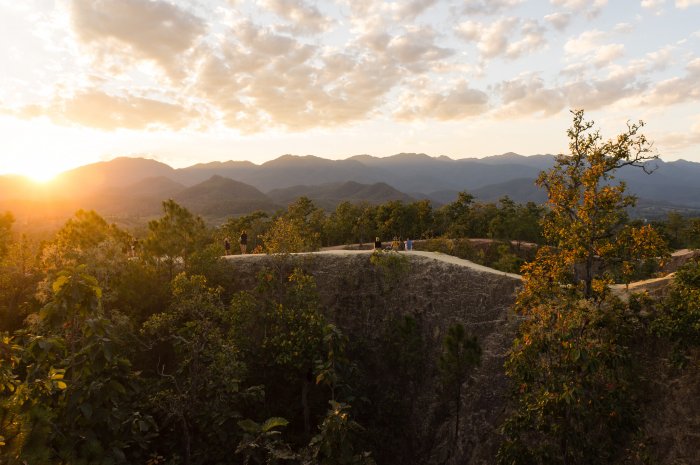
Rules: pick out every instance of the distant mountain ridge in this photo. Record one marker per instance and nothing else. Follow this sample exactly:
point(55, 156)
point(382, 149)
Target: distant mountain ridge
point(330, 195)
point(126, 186)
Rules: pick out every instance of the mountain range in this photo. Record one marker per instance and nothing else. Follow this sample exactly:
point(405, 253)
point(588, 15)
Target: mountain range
point(126, 187)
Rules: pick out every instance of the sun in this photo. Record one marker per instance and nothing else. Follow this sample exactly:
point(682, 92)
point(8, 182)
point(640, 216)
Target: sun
point(38, 172)
point(41, 176)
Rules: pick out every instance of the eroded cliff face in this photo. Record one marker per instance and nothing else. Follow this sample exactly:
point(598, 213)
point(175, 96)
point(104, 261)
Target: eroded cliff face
point(366, 300)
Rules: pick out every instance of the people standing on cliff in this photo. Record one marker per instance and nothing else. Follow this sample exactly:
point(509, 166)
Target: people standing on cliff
point(227, 246)
point(409, 244)
point(244, 242)
point(395, 244)
point(377, 244)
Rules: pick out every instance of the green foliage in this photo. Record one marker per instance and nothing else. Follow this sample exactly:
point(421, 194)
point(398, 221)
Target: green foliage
point(75, 402)
point(263, 444)
point(9, 358)
point(439, 244)
point(281, 333)
point(297, 230)
point(507, 261)
point(6, 221)
point(573, 385)
point(175, 237)
point(286, 236)
point(678, 315)
point(679, 231)
point(87, 240)
point(255, 224)
point(345, 225)
point(20, 273)
point(336, 442)
point(570, 366)
point(330, 370)
point(460, 354)
point(390, 373)
point(587, 210)
point(457, 215)
point(393, 264)
point(197, 393)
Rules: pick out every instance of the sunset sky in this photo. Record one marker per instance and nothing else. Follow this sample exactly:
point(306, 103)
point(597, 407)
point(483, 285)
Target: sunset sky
point(185, 82)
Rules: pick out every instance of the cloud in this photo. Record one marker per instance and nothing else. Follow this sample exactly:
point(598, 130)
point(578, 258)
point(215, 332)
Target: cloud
point(497, 38)
point(144, 29)
point(372, 17)
point(677, 89)
point(305, 18)
point(263, 40)
point(653, 4)
point(409, 10)
point(599, 93)
point(589, 46)
point(97, 109)
point(623, 28)
point(457, 103)
point(683, 4)
point(592, 8)
point(304, 98)
point(681, 140)
point(416, 48)
point(488, 7)
point(264, 80)
point(527, 95)
point(559, 20)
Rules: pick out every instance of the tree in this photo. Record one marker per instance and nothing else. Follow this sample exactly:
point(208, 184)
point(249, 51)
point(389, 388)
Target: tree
point(503, 225)
point(6, 221)
point(76, 402)
point(587, 210)
point(308, 219)
point(19, 275)
point(460, 354)
point(570, 364)
point(255, 224)
point(572, 385)
point(674, 226)
point(456, 215)
point(280, 330)
point(678, 316)
point(87, 239)
point(341, 226)
point(197, 391)
point(176, 236)
point(285, 236)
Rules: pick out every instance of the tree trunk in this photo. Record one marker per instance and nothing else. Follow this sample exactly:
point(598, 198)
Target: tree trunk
point(186, 440)
point(458, 404)
point(305, 405)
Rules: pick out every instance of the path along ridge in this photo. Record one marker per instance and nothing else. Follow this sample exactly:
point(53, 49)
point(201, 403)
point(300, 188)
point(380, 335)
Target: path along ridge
point(437, 256)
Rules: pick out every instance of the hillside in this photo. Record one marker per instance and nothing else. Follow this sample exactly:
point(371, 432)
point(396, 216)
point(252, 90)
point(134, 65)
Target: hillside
point(328, 196)
point(219, 197)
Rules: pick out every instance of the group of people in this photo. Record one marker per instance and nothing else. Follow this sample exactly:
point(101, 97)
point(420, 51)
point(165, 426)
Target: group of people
point(242, 241)
point(396, 244)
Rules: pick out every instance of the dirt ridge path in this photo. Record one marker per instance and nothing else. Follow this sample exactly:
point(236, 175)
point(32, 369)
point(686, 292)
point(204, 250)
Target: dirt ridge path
point(441, 257)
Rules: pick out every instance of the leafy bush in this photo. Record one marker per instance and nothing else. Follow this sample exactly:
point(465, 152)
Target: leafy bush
point(678, 317)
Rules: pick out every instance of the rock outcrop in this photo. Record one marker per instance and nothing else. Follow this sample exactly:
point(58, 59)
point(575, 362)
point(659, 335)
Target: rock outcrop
point(364, 300)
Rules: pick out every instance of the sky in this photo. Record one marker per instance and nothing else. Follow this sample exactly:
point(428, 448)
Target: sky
point(186, 82)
